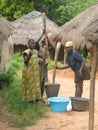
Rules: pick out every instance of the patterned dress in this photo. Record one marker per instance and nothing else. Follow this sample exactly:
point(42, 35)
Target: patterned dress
point(31, 78)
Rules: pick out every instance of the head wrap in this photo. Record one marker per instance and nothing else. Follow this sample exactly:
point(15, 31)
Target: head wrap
point(69, 44)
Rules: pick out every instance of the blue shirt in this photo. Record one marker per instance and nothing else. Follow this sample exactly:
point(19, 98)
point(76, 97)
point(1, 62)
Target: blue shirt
point(74, 59)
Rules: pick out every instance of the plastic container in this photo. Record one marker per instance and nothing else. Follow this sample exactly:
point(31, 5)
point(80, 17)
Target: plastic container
point(58, 104)
point(52, 89)
point(79, 104)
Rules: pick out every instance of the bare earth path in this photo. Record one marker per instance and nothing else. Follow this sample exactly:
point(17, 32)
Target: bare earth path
point(73, 120)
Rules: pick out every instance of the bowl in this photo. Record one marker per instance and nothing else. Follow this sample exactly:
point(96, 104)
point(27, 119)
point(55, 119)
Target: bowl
point(79, 104)
point(58, 104)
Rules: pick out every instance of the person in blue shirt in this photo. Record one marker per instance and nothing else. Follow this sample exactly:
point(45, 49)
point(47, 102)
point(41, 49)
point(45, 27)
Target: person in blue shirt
point(75, 60)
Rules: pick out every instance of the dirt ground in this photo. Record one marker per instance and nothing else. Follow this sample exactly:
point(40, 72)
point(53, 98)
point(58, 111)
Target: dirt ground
point(73, 120)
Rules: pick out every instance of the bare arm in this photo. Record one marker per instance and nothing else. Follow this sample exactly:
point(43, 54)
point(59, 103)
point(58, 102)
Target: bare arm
point(63, 67)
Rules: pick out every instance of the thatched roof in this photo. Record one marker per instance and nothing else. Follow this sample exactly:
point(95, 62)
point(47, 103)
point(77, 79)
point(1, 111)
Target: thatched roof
point(82, 29)
point(31, 26)
point(6, 29)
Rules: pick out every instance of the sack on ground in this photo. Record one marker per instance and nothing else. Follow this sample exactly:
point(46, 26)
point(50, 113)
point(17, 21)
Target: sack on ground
point(86, 73)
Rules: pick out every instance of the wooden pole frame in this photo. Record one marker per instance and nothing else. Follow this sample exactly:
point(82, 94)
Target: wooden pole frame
point(44, 32)
point(92, 88)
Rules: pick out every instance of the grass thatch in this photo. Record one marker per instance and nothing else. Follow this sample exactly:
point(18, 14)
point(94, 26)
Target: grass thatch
point(82, 29)
point(6, 29)
point(31, 26)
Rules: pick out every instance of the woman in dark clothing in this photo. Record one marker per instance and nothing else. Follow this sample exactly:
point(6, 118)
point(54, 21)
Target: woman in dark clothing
point(77, 63)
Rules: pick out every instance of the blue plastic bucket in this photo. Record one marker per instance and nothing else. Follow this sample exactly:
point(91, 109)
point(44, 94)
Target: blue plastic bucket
point(58, 104)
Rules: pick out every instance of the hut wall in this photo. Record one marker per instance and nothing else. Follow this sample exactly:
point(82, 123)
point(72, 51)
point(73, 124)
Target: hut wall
point(61, 54)
point(19, 48)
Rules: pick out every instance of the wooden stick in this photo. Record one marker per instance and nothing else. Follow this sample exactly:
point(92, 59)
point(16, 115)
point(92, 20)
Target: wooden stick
point(92, 88)
point(44, 58)
point(55, 59)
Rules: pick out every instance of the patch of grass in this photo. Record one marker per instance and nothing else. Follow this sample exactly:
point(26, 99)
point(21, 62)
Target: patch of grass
point(12, 108)
point(30, 114)
point(21, 113)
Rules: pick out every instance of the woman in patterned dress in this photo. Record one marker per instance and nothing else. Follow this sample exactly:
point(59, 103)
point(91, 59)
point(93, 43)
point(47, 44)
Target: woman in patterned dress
point(30, 74)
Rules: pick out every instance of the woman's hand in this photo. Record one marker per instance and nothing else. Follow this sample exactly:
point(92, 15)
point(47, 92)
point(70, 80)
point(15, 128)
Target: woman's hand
point(40, 60)
point(30, 53)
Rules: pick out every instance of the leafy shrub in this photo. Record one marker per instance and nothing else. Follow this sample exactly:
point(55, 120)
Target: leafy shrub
point(16, 61)
point(15, 64)
point(6, 79)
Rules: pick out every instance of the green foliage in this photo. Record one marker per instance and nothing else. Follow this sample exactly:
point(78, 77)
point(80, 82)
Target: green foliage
point(51, 65)
point(62, 15)
point(17, 61)
point(88, 56)
point(60, 11)
point(74, 7)
point(14, 9)
point(7, 78)
point(50, 8)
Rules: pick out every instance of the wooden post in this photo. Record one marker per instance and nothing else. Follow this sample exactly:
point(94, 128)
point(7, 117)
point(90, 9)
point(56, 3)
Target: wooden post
point(44, 58)
point(92, 88)
point(91, 55)
point(55, 59)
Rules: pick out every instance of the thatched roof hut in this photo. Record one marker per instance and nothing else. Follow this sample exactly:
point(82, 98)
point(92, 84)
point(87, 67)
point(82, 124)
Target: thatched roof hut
point(83, 30)
point(5, 29)
point(30, 26)
point(6, 46)
point(80, 29)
